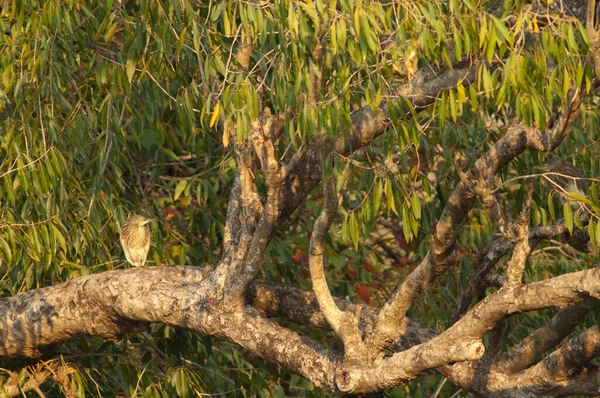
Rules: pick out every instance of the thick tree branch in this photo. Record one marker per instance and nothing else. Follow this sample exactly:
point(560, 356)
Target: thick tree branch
point(106, 305)
point(592, 27)
point(515, 267)
point(343, 323)
point(562, 364)
point(233, 223)
point(489, 256)
point(302, 308)
point(462, 341)
point(115, 302)
point(441, 254)
point(421, 91)
point(112, 303)
point(537, 343)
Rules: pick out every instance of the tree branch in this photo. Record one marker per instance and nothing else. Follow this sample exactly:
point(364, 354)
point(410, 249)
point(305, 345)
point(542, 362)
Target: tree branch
point(343, 323)
point(515, 267)
point(112, 303)
point(233, 223)
point(537, 343)
point(301, 307)
point(421, 91)
point(441, 254)
point(567, 360)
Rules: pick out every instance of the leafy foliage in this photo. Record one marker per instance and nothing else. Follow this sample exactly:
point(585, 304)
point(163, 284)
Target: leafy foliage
point(114, 107)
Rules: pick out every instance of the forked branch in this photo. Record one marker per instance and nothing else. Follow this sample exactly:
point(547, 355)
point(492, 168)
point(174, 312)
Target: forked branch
point(343, 323)
point(441, 255)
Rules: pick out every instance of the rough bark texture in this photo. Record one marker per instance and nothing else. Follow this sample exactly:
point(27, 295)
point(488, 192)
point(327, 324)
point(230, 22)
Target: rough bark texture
point(214, 300)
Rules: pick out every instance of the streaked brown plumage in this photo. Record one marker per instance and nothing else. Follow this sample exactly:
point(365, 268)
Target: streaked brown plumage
point(564, 183)
point(135, 239)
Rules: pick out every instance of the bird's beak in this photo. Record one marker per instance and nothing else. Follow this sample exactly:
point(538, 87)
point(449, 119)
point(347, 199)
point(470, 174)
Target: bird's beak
point(147, 220)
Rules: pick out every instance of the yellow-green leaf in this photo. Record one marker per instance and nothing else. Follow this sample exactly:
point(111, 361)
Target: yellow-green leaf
point(353, 229)
point(592, 232)
point(6, 250)
point(568, 213)
point(580, 198)
point(550, 202)
point(111, 32)
point(131, 62)
point(415, 204)
point(378, 191)
point(577, 220)
point(215, 115)
point(179, 189)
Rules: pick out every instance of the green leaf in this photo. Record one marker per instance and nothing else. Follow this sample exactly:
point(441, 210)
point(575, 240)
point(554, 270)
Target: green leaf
point(406, 224)
point(592, 232)
point(60, 237)
point(111, 32)
point(181, 41)
point(577, 220)
point(415, 204)
point(181, 185)
point(580, 198)
point(491, 44)
point(131, 63)
point(566, 84)
point(568, 214)
point(215, 115)
point(452, 103)
point(170, 154)
point(550, 201)
point(150, 138)
point(378, 191)
point(503, 30)
point(345, 233)
point(6, 251)
point(390, 196)
point(353, 229)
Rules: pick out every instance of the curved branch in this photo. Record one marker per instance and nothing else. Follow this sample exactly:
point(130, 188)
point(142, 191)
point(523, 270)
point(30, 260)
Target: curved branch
point(492, 253)
point(441, 255)
point(330, 310)
point(116, 302)
point(527, 350)
point(421, 92)
point(343, 323)
point(301, 307)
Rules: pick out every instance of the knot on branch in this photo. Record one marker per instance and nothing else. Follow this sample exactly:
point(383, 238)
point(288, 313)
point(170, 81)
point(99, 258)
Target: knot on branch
point(355, 377)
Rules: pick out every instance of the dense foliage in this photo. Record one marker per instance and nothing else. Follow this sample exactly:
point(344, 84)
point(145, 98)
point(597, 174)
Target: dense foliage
point(109, 108)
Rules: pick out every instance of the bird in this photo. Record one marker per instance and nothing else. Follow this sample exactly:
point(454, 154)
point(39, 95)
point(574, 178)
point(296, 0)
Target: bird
point(135, 239)
point(564, 179)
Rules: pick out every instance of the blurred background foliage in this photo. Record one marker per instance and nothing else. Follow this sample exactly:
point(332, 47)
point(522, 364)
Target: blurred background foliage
point(109, 108)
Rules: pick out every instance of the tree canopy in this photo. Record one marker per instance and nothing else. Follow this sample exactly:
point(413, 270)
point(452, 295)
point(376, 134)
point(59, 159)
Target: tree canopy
point(349, 197)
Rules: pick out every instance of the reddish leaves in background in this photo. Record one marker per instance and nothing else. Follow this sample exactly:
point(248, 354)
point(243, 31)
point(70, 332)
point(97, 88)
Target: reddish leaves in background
point(403, 261)
point(300, 257)
point(363, 292)
point(371, 270)
point(352, 272)
point(169, 213)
